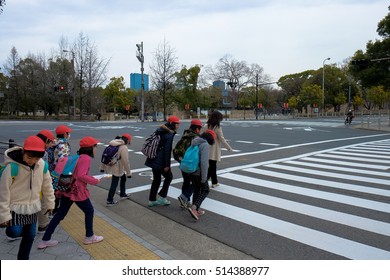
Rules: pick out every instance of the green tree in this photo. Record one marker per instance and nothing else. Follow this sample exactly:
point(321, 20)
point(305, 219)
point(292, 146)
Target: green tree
point(378, 96)
point(310, 95)
point(117, 96)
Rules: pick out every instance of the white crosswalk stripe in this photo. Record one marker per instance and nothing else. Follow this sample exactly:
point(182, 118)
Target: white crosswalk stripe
point(350, 190)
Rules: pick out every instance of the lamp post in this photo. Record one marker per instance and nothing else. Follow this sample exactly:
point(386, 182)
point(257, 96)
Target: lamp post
point(323, 84)
point(140, 57)
point(73, 82)
point(232, 84)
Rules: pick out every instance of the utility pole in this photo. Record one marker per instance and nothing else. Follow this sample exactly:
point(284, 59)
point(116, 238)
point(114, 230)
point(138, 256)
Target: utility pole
point(73, 83)
point(140, 57)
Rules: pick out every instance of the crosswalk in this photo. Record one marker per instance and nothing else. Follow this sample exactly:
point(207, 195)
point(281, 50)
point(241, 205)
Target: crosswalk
point(347, 187)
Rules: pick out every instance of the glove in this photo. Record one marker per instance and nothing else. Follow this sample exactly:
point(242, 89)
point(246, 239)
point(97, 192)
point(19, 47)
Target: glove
point(129, 176)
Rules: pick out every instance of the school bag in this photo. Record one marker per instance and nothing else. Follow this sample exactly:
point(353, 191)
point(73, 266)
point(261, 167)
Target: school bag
point(62, 174)
point(190, 161)
point(181, 147)
point(151, 145)
point(110, 155)
point(15, 169)
point(50, 157)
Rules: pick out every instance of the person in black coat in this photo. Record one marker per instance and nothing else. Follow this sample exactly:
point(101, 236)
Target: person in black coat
point(161, 164)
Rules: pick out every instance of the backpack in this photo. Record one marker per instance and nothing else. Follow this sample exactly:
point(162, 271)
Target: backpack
point(181, 147)
point(50, 157)
point(151, 145)
point(63, 173)
point(15, 169)
point(110, 155)
point(190, 161)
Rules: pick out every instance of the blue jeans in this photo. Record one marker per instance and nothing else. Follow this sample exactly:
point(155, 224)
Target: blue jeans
point(114, 184)
point(65, 204)
point(27, 232)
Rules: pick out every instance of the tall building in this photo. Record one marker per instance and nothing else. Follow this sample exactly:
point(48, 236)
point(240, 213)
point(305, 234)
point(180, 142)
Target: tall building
point(136, 81)
point(219, 84)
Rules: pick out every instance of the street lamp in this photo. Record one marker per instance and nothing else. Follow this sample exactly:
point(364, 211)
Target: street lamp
point(140, 56)
point(323, 84)
point(73, 81)
point(232, 84)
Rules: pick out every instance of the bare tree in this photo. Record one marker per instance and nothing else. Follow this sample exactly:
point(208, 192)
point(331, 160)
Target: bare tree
point(238, 75)
point(11, 68)
point(163, 69)
point(2, 4)
point(90, 71)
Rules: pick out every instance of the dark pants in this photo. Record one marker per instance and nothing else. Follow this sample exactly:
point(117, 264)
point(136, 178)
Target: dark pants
point(212, 172)
point(65, 204)
point(157, 173)
point(114, 184)
point(27, 232)
point(201, 190)
point(187, 188)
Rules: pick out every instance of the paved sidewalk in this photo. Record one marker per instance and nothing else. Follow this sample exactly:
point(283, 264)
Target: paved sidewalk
point(119, 243)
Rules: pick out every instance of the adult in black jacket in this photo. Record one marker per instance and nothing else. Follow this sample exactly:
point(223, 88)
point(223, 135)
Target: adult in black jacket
point(161, 164)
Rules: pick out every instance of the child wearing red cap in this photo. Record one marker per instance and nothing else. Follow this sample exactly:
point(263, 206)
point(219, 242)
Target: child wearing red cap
point(43, 217)
point(61, 147)
point(199, 177)
point(178, 153)
point(20, 200)
point(120, 170)
point(161, 164)
point(78, 194)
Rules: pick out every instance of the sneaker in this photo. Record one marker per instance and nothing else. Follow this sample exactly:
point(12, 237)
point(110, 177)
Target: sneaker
point(215, 185)
point(126, 196)
point(13, 238)
point(49, 243)
point(111, 203)
point(193, 213)
point(152, 203)
point(201, 212)
point(163, 201)
point(42, 229)
point(93, 239)
point(183, 202)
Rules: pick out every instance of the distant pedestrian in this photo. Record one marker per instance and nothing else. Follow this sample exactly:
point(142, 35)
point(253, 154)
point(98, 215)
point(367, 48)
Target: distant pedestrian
point(20, 200)
point(43, 217)
point(214, 123)
point(120, 170)
point(78, 194)
point(178, 153)
point(161, 164)
point(199, 177)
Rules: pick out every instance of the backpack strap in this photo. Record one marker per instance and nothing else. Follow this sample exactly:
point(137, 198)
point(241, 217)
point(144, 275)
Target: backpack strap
point(45, 167)
point(14, 170)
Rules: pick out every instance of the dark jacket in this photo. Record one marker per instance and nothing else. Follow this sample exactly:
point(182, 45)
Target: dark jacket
point(163, 158)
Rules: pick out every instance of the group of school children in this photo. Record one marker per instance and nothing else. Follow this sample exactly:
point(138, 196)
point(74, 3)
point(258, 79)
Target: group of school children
point(28, 200)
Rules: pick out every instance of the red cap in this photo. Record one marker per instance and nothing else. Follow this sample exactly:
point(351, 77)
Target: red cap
point(173, 119)
point(88, 141)
point(127, 135)
point(196, 122)
point(62, 129)
point(48, 134)
point(212, 133)
point(34, 143)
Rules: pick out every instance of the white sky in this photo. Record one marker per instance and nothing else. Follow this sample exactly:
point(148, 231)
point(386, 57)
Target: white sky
point(284, 37)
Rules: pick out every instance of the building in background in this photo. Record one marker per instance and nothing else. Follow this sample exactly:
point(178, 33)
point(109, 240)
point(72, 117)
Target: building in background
point(136, 79)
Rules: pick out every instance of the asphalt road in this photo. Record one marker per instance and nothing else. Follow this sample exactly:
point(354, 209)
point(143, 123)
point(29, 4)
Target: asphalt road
point(296, 189)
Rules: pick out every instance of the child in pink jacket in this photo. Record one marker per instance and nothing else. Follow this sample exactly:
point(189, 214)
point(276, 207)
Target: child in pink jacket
point(78, 194)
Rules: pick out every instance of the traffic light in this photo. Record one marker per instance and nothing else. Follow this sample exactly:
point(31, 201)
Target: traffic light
point(360, 62)
point(59, 88)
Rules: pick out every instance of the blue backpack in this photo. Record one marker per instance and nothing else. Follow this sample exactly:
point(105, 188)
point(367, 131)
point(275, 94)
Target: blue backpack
point(15, 169)
point(190, 161)
point(62, 175)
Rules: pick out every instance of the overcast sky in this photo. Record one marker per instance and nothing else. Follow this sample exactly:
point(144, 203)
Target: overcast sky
point(284, 37)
